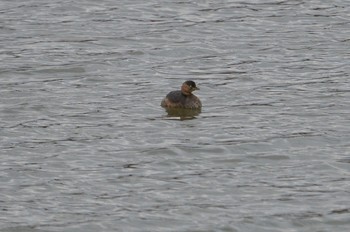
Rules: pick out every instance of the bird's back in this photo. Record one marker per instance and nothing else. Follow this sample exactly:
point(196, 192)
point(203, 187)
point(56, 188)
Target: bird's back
point(176, 99)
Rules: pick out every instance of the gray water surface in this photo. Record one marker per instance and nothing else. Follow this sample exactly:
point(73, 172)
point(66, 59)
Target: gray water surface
point(85, 145)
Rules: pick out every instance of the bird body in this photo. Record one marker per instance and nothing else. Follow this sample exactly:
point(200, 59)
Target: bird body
point(183, 98)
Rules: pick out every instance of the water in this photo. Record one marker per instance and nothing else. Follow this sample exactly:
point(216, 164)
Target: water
point(85, 145)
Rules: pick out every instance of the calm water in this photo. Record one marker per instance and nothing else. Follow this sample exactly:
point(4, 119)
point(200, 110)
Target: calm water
point(85, 145)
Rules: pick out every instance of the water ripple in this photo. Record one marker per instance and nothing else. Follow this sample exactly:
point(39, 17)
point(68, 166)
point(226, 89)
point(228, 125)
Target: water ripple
point(87, 147)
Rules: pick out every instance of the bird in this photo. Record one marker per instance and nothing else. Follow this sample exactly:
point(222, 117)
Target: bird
point(183, 98)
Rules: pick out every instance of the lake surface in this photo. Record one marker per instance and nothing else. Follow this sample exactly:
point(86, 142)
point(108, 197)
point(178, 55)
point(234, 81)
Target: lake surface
point(85, 145)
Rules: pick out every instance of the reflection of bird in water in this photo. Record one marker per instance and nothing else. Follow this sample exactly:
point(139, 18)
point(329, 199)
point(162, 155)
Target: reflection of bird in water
point(182, 113)
point(183, 98)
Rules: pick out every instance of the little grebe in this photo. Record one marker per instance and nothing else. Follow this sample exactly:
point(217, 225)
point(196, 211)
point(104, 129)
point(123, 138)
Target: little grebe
point(183, 98)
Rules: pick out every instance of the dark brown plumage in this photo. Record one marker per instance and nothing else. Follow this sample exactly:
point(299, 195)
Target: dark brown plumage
point(183, 98)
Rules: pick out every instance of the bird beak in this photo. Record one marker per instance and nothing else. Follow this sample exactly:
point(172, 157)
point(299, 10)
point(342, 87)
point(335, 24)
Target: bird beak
point(196, 88)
